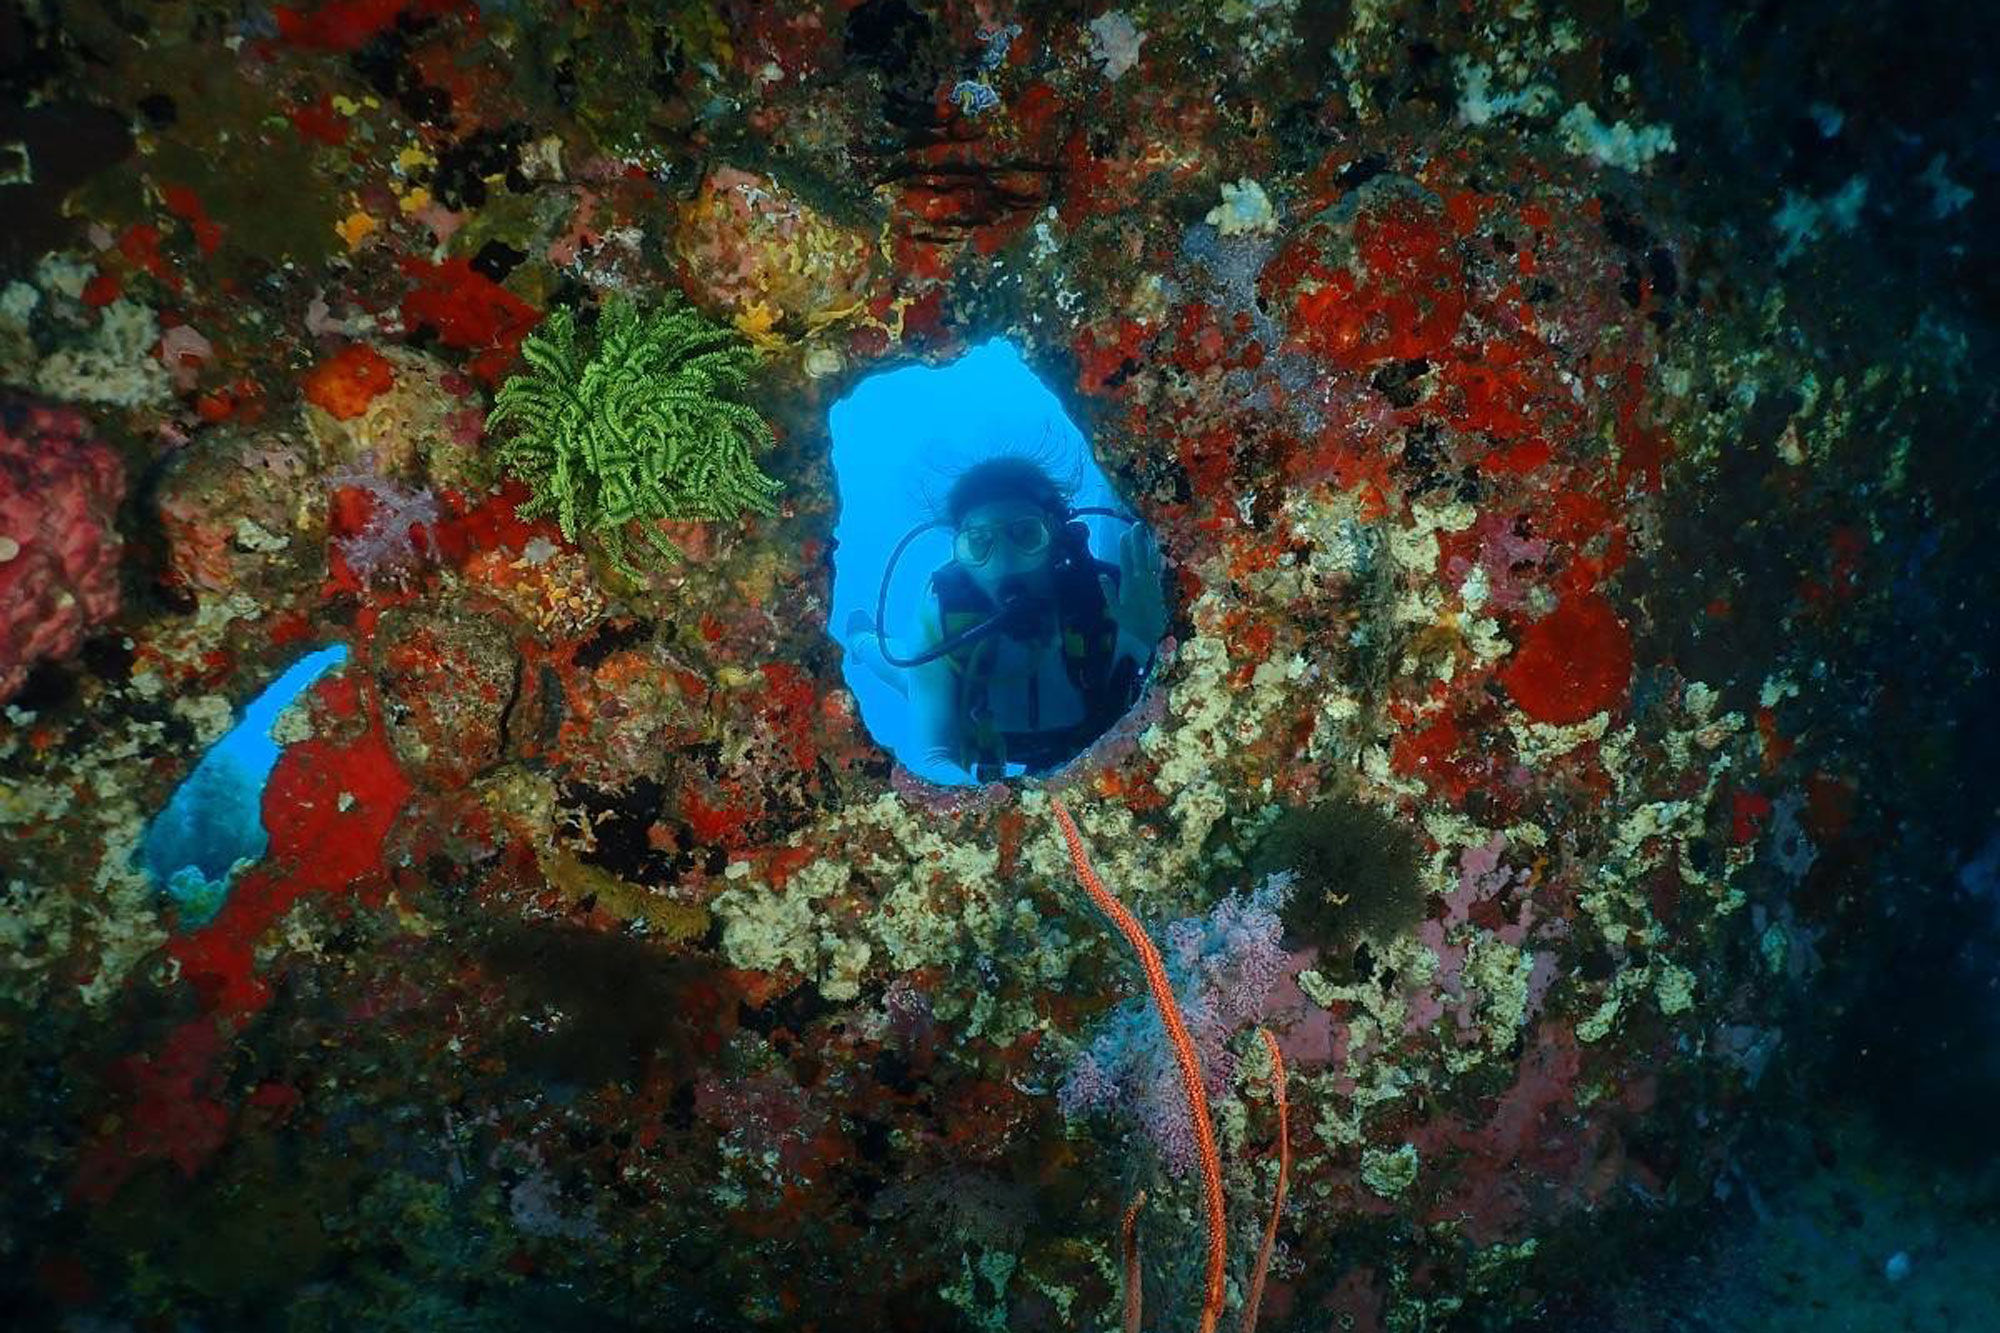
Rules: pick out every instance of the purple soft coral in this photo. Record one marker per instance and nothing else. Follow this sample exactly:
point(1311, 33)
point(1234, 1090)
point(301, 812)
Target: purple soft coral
point(1223, 968)
point(399, 517)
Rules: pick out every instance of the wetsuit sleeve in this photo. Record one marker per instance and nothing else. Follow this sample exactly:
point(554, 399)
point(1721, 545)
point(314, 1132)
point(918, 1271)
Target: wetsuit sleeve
point(1138, 653)
point(934, 723)
point(1128, 646)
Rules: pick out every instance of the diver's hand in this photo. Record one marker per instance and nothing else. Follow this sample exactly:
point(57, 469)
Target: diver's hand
point(1139, 601)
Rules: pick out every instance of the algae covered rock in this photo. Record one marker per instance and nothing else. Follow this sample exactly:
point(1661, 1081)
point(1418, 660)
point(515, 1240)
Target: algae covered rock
point(755, 249)
point(243, 511)
point(59, 546)
point(449, 682)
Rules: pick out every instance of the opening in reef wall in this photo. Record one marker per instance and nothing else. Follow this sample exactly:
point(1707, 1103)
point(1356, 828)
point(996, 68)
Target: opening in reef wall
point(1554, 778)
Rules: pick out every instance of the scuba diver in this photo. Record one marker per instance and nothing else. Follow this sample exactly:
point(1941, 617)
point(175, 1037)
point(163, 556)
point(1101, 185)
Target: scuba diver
point(1029, 647)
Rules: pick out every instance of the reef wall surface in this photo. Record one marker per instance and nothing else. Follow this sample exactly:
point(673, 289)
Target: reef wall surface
point(1557, 509)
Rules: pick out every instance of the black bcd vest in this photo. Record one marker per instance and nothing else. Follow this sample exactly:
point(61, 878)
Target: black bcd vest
point(1089, 637)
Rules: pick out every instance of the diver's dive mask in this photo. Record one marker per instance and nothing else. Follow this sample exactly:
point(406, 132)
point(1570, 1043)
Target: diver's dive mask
point(1026, 537)
point(975, 545)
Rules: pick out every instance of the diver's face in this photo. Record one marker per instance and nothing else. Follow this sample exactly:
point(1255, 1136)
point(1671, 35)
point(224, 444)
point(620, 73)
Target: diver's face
point(1003, 542)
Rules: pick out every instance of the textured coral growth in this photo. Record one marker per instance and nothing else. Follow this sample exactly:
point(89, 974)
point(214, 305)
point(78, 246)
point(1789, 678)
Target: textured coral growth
point(59, 550)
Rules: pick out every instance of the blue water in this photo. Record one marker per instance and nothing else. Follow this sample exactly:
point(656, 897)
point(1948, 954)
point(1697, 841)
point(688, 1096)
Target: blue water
point(898, 441)
point(214, 825)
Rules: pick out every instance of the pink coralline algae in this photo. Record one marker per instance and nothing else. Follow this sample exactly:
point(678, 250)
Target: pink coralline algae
point(59, 547)
point(1491, 895)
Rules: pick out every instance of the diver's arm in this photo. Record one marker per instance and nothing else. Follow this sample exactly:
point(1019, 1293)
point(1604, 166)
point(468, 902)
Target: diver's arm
point(1131, 648)
point(934, 720)
point(1136, 596)
point(866, 645)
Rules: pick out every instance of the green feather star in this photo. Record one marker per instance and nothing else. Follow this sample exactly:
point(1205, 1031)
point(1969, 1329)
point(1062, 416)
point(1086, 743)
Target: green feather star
point(642, 426)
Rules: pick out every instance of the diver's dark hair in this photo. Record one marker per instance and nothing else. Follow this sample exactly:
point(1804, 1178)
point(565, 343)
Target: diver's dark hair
point(1009, 477)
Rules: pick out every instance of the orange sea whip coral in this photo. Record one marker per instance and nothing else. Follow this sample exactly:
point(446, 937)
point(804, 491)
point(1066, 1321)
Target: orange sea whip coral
point(1184, 1057)
point(1284, 1177)
point(1134, 1291)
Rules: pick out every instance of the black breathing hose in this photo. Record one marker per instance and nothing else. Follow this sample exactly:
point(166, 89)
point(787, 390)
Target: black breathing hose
point(972, 634)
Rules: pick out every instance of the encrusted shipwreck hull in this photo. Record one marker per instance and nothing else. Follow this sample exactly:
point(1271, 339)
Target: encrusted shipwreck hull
point(603, 968)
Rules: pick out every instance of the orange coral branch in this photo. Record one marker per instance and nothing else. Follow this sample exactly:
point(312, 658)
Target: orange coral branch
point(1284, 1178)
point(1185, 1058)
point(1134, 1288)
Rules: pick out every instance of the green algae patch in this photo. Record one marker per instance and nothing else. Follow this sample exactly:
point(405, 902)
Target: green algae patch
point(1388, 1172)
point(595, 60)
point(228, 178)
point(268, 200)
point(593, 888)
